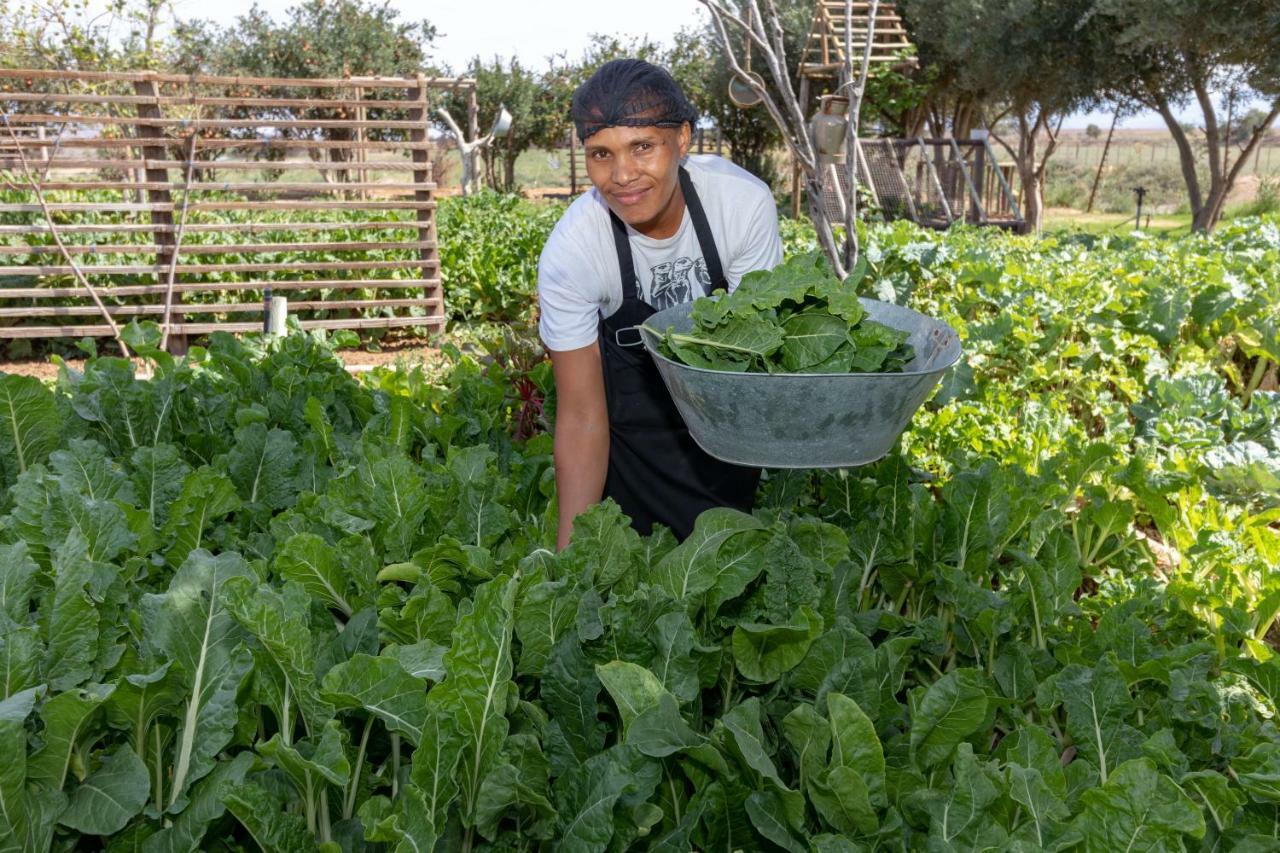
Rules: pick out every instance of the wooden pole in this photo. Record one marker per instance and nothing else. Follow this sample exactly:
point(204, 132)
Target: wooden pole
point(422, 158)
point(573, 162)
point(164, 237)
point(1097, 178)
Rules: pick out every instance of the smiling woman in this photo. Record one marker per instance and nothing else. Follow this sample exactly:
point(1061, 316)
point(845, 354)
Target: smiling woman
point(659, 228)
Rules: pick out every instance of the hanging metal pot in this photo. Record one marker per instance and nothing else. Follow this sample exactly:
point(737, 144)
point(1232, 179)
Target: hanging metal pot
point(829, 124)
point(740, 92)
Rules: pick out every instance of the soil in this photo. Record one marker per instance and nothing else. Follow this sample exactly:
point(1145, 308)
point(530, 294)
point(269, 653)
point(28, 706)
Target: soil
point(409, 350)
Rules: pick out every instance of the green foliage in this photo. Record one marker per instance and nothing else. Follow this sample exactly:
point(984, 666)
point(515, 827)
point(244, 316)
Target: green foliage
point(252, 602)
point(796, 318)
point(489, 249)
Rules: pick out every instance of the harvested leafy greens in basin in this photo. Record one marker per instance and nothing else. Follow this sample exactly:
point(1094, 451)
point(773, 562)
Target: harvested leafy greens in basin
point(797, 318)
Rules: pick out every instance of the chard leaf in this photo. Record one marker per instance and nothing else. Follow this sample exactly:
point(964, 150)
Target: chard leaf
point(279, 621)
point(764, 652)
point(312, 562)
point(854, 744)
point(29, 425)
point(952, 709)
point(1138, 808)
point(263, 466)
point(692, 567)
point(634, 689)
point(544, 613)
point(14, 711)
point(206, 497)
point(111, 795)
point(65, 717)
point(659, 730)
point(475, 691)
point(269, 825)
point(206, 806)
point(158, 475)
point(811, 338)
point(191, 625)
point(1098, 704)
point(381, 686)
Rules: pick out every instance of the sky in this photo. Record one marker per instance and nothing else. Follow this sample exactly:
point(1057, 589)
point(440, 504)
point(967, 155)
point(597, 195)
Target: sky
point(536, 29)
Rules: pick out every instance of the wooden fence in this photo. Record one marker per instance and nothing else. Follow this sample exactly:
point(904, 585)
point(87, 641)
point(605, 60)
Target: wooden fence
point(181, 198)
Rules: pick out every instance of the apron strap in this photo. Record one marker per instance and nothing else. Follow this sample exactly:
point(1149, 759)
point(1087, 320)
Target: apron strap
point(706, 242)
point(703, 229)
point(630, 286)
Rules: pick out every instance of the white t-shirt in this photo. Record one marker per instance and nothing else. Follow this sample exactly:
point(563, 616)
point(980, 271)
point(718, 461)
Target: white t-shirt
point(578, 277)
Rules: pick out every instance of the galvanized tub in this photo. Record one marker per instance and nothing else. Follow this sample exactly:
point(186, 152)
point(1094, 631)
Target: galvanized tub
point(814, 420)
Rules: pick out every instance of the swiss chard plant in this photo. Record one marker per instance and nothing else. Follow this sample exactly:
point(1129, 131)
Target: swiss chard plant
point(253, 603)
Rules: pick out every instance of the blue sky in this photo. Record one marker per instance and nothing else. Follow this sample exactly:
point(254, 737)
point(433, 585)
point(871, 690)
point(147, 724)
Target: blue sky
point(536, 29)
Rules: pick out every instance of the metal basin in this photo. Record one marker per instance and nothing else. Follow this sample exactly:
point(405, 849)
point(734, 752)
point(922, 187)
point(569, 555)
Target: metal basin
point(815, 420)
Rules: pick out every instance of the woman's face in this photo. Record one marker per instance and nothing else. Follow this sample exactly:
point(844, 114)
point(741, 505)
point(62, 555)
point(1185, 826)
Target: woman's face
point(636, 169)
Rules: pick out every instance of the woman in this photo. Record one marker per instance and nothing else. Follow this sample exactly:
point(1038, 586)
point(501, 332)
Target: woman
point(658, 227)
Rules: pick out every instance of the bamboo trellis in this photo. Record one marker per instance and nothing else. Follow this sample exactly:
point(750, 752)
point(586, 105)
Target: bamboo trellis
point(317, 188)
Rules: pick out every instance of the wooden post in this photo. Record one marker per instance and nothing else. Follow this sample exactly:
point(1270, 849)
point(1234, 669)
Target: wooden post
point(804, 110)
point(362, 174)
point(980, 167)
point(164, 219)
point(573, 162)
point(422, 157)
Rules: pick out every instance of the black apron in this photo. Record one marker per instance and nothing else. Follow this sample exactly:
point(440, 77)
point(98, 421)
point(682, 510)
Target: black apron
point(657, 473)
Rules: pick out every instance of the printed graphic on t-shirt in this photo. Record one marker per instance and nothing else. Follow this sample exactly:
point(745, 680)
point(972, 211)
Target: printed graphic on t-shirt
point(678, 281)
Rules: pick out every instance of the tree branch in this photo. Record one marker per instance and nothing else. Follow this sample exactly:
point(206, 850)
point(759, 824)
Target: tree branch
point(177, 240)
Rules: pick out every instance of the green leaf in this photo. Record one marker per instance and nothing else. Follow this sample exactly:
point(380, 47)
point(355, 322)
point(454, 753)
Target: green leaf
point(279, 621)
point(65, 717)
point(111, 795)
point(854, 744)
point(474, 694)
point(191, 625)
point(312, 562)
point(1138, 809)
point(518, 792)
point(1098, 704)
point(206, 806)
point(544, 612)
point(570, 691)
point(381, 686)
point(322, 757)
point(767, 813)
point(764, 652)
point(660, 731)
point(435, 765)
point(14, 711)
point(952, 709)
point(810, 736)
point(585, 800)
point(634, 689)
point(17, 582)
point(841, 798)
point(692, 567)
point(206, 497)
point(1259, 772)
point(269, 826)
point(263, 465)
point(812, 338)
point(959, 819)
point(158, 475)
point(29, 425)
point(742, 722)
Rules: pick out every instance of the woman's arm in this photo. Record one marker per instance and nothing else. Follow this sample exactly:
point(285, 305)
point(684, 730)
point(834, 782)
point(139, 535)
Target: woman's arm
point(581, 434)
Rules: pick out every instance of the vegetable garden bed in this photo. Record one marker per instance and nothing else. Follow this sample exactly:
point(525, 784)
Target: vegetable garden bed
point(255, 602)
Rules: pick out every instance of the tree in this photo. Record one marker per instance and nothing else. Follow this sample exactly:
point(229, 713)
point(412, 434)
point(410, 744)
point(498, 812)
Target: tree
point(126, 35)
point(1170, 53)
point(1027, 61)
point(316, 38)
point(1093, 131)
